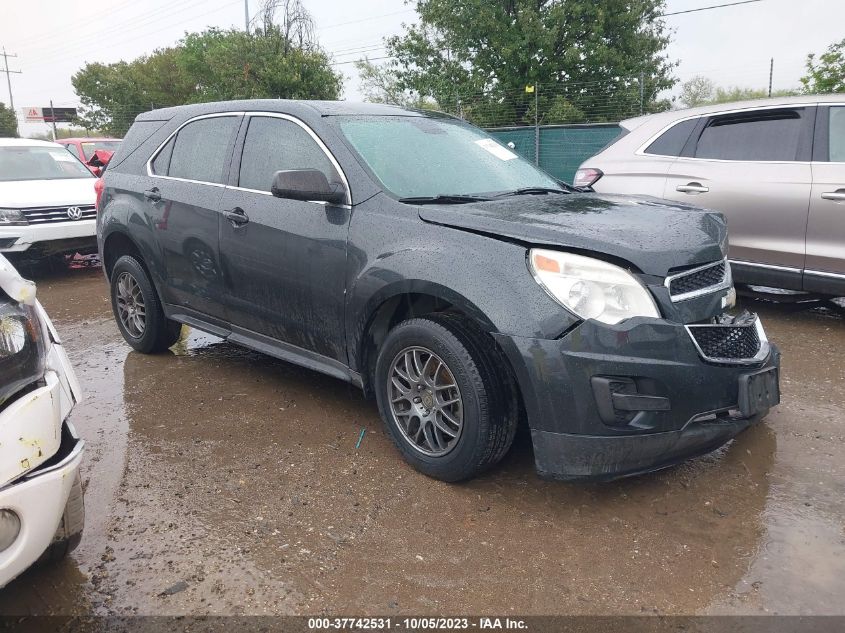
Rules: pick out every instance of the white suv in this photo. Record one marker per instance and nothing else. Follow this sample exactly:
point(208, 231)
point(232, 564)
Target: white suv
point(46, 201)
point(41, 507)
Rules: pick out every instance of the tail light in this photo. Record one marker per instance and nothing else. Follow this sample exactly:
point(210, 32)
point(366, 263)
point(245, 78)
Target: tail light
point(587, 177)
point(98, 189)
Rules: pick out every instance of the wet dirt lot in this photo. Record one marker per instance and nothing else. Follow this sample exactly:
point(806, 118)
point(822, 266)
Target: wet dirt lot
point(221, 481)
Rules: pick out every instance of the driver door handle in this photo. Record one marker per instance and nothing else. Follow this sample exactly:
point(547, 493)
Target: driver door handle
point(838, 195)
point(236, 216)
point(153, 195)
point(693, 187)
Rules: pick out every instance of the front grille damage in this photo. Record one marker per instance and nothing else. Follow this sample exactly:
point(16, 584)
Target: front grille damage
point(733, 340)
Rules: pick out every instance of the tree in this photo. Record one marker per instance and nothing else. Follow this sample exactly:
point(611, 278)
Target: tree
point(379, 84)
point(8, 122)
point(697, 91)
point(586, 57)
point(827, 73)
point(279, 59)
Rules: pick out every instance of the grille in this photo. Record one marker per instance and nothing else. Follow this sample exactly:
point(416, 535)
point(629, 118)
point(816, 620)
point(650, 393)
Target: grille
point(51, 215)
point(727, 342)
point(698, 279)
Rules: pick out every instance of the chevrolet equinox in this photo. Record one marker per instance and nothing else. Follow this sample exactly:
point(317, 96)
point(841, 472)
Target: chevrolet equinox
point(414, 256)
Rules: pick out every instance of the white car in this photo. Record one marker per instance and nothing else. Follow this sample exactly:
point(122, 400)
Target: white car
point(41, 505)
point(46, 201)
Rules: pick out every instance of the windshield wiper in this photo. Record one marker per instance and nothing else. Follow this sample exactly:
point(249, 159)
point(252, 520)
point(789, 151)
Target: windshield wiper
point(449, 198)
point(527, 191)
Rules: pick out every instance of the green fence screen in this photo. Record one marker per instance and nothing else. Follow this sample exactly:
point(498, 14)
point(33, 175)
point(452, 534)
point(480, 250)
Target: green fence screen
point(562, 147)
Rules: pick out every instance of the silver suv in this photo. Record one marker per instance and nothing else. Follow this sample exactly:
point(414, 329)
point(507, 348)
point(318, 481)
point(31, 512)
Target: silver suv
point(774, 167)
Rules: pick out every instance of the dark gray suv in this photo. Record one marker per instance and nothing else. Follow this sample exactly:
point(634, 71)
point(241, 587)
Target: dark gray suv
point(414, 256)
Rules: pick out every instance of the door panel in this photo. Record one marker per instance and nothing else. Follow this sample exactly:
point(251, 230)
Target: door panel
point(185, 224)
point(766, 204)
point(284, 260)
point(284, 270)
point(826, 228)
point(188, 173)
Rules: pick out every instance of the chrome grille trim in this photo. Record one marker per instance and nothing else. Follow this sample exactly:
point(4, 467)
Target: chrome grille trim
point(760, 356)
point(724, 284)
point(52, 215)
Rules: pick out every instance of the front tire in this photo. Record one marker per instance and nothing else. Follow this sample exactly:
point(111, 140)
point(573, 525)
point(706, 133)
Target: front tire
point(445, 397)
point(137, 309)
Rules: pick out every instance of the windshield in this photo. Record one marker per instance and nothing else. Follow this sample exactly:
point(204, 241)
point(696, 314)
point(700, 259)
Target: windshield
point(89, 148)
point(33, 162)
point(417, 156)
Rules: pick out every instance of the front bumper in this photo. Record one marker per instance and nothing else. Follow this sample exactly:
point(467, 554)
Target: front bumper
point(697, 403)
point(39, 499)
point(49, 238)
point(39, 457)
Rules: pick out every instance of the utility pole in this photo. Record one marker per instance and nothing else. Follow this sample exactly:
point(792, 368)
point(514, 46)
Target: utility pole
point(6, 57)
point(246, 16)
point(642, 93)
point(53, 119)
point(771, 73)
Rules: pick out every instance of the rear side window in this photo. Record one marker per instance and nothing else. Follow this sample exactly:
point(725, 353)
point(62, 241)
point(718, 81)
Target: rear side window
point(201, 149)
point(672, 141)
point(73, 149)
point(762, 136)
point(273, 145)
point(836, 131)
point(161, 163)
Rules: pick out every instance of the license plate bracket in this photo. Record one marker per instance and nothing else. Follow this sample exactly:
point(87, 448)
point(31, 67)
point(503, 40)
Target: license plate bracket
point(758, 391)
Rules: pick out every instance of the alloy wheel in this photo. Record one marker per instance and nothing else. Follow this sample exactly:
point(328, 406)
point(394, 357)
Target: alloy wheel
point(130, 305)
point(425, 401)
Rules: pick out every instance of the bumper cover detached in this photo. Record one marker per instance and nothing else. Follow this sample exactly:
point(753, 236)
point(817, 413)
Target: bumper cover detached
point(609, 401)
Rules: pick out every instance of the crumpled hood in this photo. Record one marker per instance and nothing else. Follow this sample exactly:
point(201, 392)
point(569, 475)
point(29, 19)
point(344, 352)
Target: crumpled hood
point(654, 235)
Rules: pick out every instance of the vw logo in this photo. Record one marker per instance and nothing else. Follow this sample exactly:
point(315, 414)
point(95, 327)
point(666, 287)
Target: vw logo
point(74, 213)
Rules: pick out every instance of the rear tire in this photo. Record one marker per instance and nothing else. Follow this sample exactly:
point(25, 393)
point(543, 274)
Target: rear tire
point(137, 309)
point(70, 528)
point(462, 363)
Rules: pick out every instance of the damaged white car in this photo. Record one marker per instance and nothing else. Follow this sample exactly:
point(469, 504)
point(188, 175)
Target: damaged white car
point(41, 505)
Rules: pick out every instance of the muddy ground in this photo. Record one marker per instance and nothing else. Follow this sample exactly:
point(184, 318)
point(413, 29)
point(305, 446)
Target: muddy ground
point(221, 481)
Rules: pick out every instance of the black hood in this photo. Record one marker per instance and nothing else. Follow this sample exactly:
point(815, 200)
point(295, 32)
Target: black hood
point(654, 235)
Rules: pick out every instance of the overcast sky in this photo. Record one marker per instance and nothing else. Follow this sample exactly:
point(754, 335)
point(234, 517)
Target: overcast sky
point(54, 38)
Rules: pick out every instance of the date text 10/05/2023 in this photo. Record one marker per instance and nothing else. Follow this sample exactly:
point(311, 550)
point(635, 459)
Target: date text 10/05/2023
point(415, 623)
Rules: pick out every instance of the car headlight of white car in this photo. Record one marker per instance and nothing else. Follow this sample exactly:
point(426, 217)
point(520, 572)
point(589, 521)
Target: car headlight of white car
point(591, 288)
point(12, 216)
point(23, 347)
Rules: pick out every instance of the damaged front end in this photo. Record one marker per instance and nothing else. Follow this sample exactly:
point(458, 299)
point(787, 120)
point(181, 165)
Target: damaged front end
point(40, 453)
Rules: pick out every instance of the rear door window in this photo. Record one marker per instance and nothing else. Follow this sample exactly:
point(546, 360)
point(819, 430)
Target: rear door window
point(161, 163)
point(769, 135)
point(836, 135)
point(202, 148)
point(672, 141)
point(274, 144)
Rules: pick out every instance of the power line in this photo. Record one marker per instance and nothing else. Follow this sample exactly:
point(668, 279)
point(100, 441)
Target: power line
point(715, 6)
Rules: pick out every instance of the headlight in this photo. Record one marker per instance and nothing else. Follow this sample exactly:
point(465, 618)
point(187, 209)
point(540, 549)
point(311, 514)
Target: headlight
point(23, 349)
point(591, 288)
point(12, 216)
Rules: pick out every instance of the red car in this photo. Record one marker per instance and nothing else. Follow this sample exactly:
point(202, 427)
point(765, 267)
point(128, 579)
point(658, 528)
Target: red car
point(84, 149)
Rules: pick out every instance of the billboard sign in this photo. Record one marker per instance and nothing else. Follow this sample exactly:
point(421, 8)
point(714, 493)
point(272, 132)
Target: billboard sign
point(33, 114)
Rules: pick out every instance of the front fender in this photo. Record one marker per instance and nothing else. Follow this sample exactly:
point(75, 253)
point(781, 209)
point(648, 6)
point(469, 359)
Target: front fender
point(486, 278)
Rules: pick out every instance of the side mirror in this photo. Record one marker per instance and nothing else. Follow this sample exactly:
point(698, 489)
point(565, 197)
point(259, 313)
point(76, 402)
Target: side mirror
point(307, 184)
point(97, 171)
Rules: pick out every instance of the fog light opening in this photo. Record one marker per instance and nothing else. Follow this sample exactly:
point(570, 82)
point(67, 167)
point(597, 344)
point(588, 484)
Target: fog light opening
point(10, 527)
